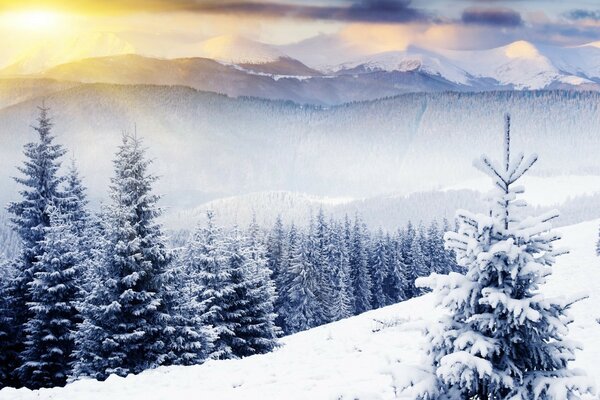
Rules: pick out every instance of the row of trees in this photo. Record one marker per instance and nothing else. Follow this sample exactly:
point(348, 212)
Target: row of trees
point(334, 269)
point(100, 294)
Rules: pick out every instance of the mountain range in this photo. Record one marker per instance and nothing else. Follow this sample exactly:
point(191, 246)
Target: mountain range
point(238, 66)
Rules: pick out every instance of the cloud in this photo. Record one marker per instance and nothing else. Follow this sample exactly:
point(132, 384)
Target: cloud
point(500, 17)
point(580, 14)
point(378, 11)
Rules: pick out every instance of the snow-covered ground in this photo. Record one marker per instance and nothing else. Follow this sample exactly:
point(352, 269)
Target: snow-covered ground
point(371, 356)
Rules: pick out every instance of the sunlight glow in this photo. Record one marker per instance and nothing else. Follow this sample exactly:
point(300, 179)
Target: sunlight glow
point(34, 20)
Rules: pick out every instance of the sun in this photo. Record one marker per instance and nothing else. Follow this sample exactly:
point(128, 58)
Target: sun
point(34, 20)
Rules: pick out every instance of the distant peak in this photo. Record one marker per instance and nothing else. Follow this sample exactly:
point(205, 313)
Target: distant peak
point(521, 49)
point(237, 49)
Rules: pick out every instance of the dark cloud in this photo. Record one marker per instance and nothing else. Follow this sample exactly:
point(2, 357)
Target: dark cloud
point(580, 14)
point(501, 17)
point(359, 10)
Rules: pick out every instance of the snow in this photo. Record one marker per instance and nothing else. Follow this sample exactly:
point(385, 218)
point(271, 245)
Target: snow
point(520, 64)
point(371, 356)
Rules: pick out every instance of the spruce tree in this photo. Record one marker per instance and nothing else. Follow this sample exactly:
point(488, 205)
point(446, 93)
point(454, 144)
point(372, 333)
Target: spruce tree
point(47, 356)
point(9, 352)
point(419, 265)
point(256, 332)
point(304, 309)
point(208, 262)
point(379, 267)
point(189, 337)
point(125, 319)
point(501, 338)
point(340, 304)
point(359, 269)
point(275, 248)
point(31, 218)
point(394, 284)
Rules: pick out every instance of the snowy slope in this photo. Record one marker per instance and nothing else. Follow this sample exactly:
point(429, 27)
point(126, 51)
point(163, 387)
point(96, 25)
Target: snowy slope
point(372, 356)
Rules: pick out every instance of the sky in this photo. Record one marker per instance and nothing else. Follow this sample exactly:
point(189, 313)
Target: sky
point(177, 28)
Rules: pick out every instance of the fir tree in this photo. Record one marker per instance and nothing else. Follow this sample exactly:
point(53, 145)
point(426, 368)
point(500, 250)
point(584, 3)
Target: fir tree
point(208, 262)
point(359, 269)
point(125, 318)
point(340, 304)
point(419, 265)
point(9, 352)
point(47, 356)
point(189, 337)
point(31, 218)
point(379, 267)
point(275, 248)
point(394, 284)
point(502, 338)
point(304, 309)
point(256, 331)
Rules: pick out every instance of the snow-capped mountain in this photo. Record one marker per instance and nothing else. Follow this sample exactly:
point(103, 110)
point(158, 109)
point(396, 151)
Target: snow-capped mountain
point(375, 355)
point(519, 65)
point(236, 49)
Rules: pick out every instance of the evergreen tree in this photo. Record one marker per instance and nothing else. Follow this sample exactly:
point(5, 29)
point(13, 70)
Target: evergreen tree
point(275, 248)
point(419, 263)
point(359, 269)
point(304, 309)
point(379, 267)
point(340, 304)
point(256, 331)
point(407, 237)
point(285, 280)
point(47, 356)
point(208, 261)
point(502, 338)
point(30, 219)
point(125, 319)
point(9, 352)
point(394, 284)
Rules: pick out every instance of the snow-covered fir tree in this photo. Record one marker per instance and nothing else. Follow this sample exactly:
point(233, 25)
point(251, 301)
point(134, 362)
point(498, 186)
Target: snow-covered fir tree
point(256, 332)
point(419, 266)
point(9, 355)
point(359, 268)
point(125, 319)
point(40, 193)
point(394, 283)
point(275, 248)
point(406, 238)
point(189, 338)
point(502, 338)
point(340, 302)
point(303, 310)
point(379, 269)
point(208, 261)
point(47, 354)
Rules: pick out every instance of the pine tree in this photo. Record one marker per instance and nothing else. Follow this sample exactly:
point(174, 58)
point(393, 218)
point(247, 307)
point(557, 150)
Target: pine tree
point(379, 267)
point(189, 337)
point(419, 263)
point(30, 219)
point(339, 300)
point(47, 356)
point(208, 262)
point(359, 269)
point(275, 248)
point(285, 280)
point(502, 338)
point(9, 352)
point(394, 284)
point(407, 237)
point(256, 331)
point(304, 309)
point(125, 319)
